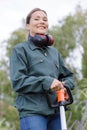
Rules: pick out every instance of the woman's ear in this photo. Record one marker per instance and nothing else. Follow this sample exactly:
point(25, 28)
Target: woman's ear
point(27, 27)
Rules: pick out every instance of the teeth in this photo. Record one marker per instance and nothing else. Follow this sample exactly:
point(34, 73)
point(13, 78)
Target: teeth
point(42, 28)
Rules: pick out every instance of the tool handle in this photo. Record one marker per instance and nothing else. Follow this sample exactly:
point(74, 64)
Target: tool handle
point(63, 118)
point(64, 97)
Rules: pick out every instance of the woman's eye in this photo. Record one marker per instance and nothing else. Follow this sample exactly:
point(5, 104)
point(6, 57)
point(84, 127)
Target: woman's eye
point(42, 19)
point(36, 19)
point(45, 20)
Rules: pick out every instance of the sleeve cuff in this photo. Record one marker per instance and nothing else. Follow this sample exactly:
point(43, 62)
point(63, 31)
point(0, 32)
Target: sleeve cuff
point(47, 83)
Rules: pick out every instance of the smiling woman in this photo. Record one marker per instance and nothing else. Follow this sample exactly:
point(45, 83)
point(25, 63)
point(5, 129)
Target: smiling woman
point(37, 22)
point(36, 70)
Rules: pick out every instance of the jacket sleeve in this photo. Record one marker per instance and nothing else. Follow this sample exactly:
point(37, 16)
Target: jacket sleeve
point(20, 79)
point(65, 74)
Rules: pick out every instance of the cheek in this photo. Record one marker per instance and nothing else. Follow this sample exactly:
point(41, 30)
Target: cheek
point(47, 26)
point(32, 27)
point(33, 30)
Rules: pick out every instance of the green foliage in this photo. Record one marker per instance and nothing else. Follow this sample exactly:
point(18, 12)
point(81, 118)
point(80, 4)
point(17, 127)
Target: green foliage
point(17, 36)
point(84, 59)
point(8, 116)
point(77, 116)
point(64, 39)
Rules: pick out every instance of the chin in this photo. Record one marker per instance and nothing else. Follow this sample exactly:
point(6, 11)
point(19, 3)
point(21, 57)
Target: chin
point(42, 31)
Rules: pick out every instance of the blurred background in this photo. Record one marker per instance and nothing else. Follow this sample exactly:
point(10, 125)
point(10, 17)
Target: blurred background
point(68, 25)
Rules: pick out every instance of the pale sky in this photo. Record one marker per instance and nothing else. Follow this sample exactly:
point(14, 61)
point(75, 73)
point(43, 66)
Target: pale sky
point(13, 11)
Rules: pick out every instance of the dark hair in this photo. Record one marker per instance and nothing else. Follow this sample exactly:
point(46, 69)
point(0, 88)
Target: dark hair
point(31, 12)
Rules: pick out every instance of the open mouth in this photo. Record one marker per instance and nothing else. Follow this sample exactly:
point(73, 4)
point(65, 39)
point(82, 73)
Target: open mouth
point(42, 27)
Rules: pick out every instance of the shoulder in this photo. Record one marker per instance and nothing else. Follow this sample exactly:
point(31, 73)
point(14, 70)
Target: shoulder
point(56, 53)
point(20, 45)
point(54, 50)
point(23, 46)
point(19, 49)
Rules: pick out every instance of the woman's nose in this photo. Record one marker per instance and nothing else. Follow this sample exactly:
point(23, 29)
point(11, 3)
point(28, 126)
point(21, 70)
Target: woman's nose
point(42, 21)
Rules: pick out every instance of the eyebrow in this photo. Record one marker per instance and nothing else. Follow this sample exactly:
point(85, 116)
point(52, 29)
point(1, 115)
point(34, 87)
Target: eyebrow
point(39, 17)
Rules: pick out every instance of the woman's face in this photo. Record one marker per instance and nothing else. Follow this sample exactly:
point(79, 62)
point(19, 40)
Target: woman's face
point(38, 23)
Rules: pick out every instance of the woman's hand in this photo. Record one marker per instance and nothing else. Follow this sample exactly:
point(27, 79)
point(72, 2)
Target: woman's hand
point(57, 85)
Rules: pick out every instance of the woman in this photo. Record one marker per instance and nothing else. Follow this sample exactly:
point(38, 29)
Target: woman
point(37, 70)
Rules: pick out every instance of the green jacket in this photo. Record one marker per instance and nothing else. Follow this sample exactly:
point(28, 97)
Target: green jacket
point(32, 71)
